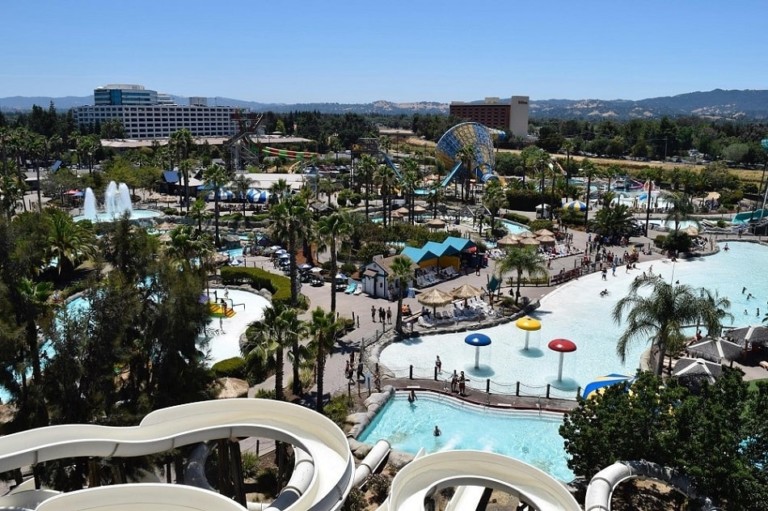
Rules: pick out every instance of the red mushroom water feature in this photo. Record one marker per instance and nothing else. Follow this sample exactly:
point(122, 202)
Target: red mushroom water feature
point(562, 346)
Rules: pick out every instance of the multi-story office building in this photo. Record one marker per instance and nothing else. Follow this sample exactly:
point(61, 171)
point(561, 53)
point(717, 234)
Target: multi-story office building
point(510, 116)
point(145, 114)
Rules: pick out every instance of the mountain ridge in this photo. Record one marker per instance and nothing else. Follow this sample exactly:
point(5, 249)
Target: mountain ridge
point(716, 104)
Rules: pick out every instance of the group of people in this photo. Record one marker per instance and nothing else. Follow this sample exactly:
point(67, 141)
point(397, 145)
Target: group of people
point(385, 315)
point(412, 399)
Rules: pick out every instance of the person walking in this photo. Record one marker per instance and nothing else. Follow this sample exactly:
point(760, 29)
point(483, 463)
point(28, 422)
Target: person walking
point(373, 313)
point(389, 315)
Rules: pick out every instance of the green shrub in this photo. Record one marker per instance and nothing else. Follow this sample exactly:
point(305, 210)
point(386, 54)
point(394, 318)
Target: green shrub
point(678, 241)
point(279, 286)
point(660, 240)
point(170, 211)
point(348, 268)
point(537, 225)
point(337, 410)
point(250, 464)
point(265, 394)
point(521, 219)
point(231, 367)
point(379, 486)
point(355, 501)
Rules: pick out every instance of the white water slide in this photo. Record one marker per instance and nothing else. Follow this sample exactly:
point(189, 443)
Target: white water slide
point(426, 475)
point(331, 460)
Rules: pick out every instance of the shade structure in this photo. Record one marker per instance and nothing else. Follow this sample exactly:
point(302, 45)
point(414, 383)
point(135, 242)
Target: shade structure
point(755, 334)
point(543, 206)
point(477, 340)
point(529, 325)
point(436, 223)
point(401, 211)
point(508, 241)
point(691, 230)
point(595, 387)
point(712, 196)
point(434, 298)
point(697, 368)
point(530, 242)
point(716, 349)
point(257, 196)
point(466, 291)
point(544, 232)
point(419, 209)
point(526, 234)
point(546, 240)
point(575, 205)
point(562, 346)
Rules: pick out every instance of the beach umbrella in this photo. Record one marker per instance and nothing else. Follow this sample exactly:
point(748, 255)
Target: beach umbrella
point(530, 242)
point(436, 223)
point(716, 349)
point(305, 267)
point(401, 211)
point(316, 269)
point(544, 232)
point(434, 298)
point(755, 334)
point(508, 241)
point(525, 234)
point(529, 325)
point(466, 291)
point(697, 368)
point(419, 209)
point(546, 240)
point(477, 340)
point(597, 386)
point(561, 346)
point(575, 205)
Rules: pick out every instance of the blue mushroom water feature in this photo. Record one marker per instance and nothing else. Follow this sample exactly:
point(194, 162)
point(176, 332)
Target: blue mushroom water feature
point(477, 340)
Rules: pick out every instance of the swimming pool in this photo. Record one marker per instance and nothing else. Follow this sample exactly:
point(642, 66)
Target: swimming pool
point(576, 311)
point(525, 435)
point(514, 227)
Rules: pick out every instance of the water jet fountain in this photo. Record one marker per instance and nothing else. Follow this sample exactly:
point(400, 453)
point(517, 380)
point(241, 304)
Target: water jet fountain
point(117, 202)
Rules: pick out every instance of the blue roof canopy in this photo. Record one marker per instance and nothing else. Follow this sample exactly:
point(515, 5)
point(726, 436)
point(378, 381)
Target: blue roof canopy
point(418, 255)
point(171, 176)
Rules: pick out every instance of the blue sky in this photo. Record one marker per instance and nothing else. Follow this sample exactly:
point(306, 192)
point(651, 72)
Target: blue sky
point(398, 50)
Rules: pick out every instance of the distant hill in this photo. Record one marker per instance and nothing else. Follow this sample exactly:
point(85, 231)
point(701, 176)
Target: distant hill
point(717, 104)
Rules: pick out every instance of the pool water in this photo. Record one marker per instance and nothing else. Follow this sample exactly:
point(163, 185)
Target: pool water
point(576, 311)
point(514, 228)
point(136, 214)
point(525, 435)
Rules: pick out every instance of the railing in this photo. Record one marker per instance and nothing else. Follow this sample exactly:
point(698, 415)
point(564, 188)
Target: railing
point(517, 389)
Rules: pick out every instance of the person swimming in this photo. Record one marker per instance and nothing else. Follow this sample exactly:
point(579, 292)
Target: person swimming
point(437, 431)
point(412, 396)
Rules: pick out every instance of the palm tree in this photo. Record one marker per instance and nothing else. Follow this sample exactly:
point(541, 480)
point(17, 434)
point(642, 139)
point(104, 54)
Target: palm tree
point(279, 191)
point(402, 273)
point(216, 177)
point(185, 246)
point(661, 316)
point(333, 229)
point(366, 169)
point(410, 173)
point(180, 146)
point(435, 198)
point(714, 310)
point(387, 180)
point(519, 260)
point(589, 169)
point(466, 155)
point(681, 209)
point(68, 241)
point(33, 307)
point(269, 338)
point(197, 212)
point(493, 199)
point(617, 221)
point(242, 183)
point(322, 329)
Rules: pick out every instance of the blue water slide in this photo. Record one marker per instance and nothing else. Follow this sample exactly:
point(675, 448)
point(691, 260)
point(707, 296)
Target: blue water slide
point(392, 165)
point(447, 179)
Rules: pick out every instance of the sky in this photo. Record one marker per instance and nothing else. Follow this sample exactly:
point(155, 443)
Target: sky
point(358, 51)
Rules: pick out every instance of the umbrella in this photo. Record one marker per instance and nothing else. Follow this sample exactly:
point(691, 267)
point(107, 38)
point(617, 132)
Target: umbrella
point(597, 386)
point(529, 325)
point(231, 387)
point(477, 340)
point(688, 367)
point(281, 251)
point(546, 240)
point(754, 334)
point(542, 206)
point(561, 346)
point(712, 196)
point(419, 209)
point(508, 241)
point(533, 242)
point(305, 267)
point(434, 298)
point(316, 269)
point(526, 234)
point(716, 349)
point(436, 223)
point(691, 230)
point(466, 291)
point(544, 232)
point(401, 211)
point(575, 205)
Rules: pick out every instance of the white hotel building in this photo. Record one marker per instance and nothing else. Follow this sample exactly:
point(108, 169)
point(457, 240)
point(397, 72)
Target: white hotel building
point(145, 114)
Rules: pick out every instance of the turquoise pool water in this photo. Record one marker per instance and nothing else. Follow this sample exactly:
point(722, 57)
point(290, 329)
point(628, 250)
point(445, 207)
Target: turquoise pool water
point(514, 227)
point(524, 435)
point(576, 311)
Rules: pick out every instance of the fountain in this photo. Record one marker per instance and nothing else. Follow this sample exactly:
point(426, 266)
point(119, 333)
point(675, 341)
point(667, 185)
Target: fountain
point(117, 202)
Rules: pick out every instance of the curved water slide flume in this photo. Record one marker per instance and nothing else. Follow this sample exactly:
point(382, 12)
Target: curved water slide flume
point(191, 423)
point(424, 476)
